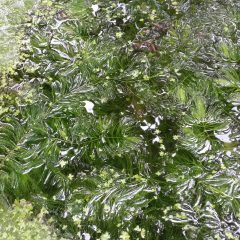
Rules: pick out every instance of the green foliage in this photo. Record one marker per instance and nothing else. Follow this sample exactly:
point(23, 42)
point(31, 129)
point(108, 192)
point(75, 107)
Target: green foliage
point(19, 223)
point(121, 119)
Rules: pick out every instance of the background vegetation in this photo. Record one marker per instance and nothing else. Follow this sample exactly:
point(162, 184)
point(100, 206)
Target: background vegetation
point(120, 120)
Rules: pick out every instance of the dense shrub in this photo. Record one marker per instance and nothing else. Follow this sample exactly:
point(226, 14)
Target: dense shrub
point(122, 119)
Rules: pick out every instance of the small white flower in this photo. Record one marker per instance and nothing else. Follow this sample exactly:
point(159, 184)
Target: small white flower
point(95, 8)
point(143, 233)
point(124, 236)
point(70, 177)
point(137, 229)
point(105, 236)
point(175, 137)
point(76, 219)
point(146, 77)
point(132, 209)
point(62, 163)
point(64, 227)
point(162, 147)
point(135, 73)
point(161, 153)
point(89, 106)
point(119, 34)
point(106, 208)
